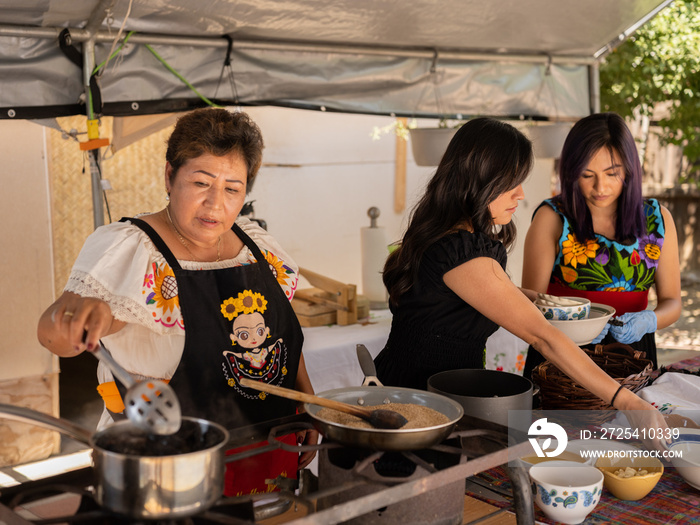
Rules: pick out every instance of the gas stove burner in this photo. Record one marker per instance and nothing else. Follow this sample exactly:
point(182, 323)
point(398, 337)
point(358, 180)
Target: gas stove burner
point(341, 467)
point(394, 465)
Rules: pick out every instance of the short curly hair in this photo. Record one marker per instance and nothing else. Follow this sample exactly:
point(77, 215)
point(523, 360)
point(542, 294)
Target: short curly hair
point(218, 132)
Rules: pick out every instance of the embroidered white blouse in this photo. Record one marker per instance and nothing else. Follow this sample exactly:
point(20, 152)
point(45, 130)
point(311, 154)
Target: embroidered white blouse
point(120, 265)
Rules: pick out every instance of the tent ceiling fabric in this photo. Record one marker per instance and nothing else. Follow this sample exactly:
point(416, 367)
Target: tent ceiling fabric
point(420, 58)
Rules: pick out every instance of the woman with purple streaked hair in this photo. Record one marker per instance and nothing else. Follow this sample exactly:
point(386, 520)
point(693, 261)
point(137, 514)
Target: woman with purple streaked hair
point(601, 240)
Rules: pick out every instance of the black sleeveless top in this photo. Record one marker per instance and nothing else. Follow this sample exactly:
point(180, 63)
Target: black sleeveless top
point(433, 329)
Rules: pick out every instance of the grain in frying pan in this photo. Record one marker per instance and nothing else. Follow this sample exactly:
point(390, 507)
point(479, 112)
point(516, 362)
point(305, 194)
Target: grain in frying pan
point(418, 416)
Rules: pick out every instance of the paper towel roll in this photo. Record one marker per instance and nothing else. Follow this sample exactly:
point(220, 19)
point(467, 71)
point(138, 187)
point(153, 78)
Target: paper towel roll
point(374, 254)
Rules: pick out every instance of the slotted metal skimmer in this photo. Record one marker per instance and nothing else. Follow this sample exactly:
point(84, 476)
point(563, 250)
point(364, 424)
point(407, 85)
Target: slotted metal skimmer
point(150, 404)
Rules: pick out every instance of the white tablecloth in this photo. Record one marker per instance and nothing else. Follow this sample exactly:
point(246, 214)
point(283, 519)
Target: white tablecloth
point(331, 357)
point(330, 351)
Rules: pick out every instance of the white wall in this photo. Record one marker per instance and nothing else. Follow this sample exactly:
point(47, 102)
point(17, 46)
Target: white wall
point(26, 270)
point(317, 205)
point(537, 188)
point(317, 208)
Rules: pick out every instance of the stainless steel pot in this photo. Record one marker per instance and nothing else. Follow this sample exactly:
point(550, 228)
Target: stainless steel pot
point(147, 477)
point(387, 439)
point(488, 394)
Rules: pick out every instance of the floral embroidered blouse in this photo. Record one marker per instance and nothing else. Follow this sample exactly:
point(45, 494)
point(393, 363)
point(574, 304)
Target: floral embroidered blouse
point(600, 268)
point(121, 266)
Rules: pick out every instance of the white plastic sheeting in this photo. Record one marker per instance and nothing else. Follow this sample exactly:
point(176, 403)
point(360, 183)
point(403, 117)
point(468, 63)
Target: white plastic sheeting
point(534, 58)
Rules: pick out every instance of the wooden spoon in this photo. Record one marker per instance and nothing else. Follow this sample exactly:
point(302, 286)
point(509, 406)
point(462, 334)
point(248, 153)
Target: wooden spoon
point(378, 418)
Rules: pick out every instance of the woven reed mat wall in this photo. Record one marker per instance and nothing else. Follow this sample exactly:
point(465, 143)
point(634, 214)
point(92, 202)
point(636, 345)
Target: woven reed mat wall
point(134, 172)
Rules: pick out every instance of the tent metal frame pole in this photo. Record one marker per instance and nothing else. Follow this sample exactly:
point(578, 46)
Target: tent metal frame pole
point(81, 35)
point(88, 50)
point(98, 214)
point(88, 66)
point(594, 87)
point(622, 37)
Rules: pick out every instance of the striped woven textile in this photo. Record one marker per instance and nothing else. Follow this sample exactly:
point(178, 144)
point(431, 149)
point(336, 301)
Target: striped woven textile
point(671, 501)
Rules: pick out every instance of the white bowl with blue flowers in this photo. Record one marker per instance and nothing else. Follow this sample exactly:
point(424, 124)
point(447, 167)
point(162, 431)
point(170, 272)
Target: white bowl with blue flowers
point(555, 312)
point(584, 331)
point(566, 491)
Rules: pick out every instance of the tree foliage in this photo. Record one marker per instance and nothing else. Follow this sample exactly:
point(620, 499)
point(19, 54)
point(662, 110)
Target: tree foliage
point(660, 64)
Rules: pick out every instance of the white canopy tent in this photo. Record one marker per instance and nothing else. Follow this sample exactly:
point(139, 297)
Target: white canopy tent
point(532, 59)
point(518, 59)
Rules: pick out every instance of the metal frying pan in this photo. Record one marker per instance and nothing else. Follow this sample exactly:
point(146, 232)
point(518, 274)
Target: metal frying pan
point(385, 439)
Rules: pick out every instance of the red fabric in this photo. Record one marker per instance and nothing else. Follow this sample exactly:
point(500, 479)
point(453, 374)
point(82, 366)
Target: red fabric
point(247, 476)
point(622, 302)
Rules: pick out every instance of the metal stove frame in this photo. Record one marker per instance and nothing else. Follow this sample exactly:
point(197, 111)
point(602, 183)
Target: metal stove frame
point(484, 434)
point(467, 427)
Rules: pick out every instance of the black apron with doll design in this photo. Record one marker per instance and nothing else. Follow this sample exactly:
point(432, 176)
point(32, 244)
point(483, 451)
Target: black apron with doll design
point(238, 323)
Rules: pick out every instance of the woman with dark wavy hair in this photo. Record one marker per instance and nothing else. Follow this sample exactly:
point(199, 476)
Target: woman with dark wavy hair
point(448, 288)
point(599, 238)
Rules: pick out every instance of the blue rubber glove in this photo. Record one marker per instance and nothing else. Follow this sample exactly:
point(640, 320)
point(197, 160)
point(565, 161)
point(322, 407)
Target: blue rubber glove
point(636, 325)
point(602, 334)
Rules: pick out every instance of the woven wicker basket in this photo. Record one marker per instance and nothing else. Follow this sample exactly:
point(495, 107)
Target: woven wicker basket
point(559, 392)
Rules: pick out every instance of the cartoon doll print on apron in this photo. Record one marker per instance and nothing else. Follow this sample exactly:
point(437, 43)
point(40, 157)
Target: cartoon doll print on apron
point(256, 354)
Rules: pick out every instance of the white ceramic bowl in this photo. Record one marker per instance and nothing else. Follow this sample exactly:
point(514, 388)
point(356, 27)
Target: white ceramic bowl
point(584, 331)
point(688, 463)
point(564, 313)
point(567, 491)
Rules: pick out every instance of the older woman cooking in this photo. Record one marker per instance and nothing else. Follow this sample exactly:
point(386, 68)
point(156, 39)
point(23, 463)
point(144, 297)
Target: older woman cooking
point(194, 294)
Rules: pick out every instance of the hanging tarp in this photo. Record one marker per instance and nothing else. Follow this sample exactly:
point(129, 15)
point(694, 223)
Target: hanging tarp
point(509, 58)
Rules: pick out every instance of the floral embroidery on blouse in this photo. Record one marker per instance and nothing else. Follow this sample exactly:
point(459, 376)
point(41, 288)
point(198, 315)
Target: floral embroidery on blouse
point(163, 302)
point(162, 299)
point(601, 264)
point(284, 274)
point(575, 252)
